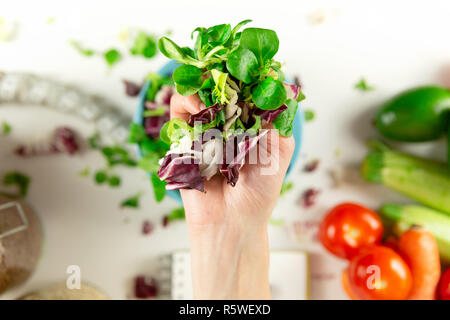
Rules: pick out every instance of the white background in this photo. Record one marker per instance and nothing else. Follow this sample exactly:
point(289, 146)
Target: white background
point(393, 44)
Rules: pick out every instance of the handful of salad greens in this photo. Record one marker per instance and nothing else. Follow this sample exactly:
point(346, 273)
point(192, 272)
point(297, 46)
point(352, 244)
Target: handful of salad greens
point(241, 86)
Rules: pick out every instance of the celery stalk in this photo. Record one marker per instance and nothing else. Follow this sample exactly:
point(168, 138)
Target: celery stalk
point(426, 181)
point(434, 221)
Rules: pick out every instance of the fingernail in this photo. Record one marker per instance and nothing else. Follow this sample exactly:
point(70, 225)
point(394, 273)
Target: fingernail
point(202, 106)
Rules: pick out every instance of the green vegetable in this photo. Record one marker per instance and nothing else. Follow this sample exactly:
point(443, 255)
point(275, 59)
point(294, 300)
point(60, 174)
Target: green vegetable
point(136, 133)
point(436, 222)
point(131, 202)
point(416, 115)
point(145, 45)
point(243, 65)
point(159, 187)
point(226, 65)
point(117, 155)
point(81, 49)
point(6, 128)
point(20, 180)
point(114, 181)
point(149, 163)
point(269, 94)
point(426, 181)
point(156, 82)
point(284, 123)
point(420, 114)
point(112, 56)
point(175, 129)
point(363, 86)
point(262, 42)
point(100, 177)
point(188, 79)
point(160, 111)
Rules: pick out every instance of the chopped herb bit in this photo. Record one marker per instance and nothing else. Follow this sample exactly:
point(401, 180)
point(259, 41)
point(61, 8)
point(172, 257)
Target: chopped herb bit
point(363, 86)
point(277, 222)
point(112, 56)
point(94, 141)
point(18, 179)
point(100, 177)
point(337, 152)
point(85, 172)
point(309, 115)
point(286, 187)
point(6, 128)
point(311, 166)
point(114, 181)
point(144, 45)
point(50, 20)
point(81, 49)
point(132, 202)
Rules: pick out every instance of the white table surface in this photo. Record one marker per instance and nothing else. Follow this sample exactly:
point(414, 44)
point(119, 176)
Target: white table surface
point(395, 45)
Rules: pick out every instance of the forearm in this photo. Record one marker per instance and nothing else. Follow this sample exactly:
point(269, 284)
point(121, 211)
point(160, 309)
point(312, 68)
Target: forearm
point(229, 263)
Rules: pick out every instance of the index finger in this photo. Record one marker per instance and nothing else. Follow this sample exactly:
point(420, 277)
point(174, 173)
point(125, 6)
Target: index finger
point(182, 107)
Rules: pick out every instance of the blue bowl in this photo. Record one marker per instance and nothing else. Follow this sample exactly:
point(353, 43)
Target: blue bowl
point(167, 70)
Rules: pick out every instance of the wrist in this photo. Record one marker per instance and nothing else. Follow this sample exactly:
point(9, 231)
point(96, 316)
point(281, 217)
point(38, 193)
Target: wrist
point(229, 262)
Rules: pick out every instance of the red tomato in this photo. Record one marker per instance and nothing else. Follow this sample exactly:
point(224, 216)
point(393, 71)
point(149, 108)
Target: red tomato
point(444, 286)
point(379, 273)
point(349, 227)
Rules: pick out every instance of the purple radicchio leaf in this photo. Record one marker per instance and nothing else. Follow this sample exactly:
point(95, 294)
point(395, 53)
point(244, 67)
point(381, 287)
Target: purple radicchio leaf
point(132, 89)
point(292, 90)
point(244, 143)
point(206, 115)
point(270, 115)
point(164, 95)
point(181, 171)
point(153, 125)
point(63, 140)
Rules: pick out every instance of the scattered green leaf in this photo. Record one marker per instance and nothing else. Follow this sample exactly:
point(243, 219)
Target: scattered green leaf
point(84, 51)
point(114, 181)
point(6, 128)
point(112, 56)
point(363, 86)
point(144, 45)
point(159, 187)
point(286, 187)
point(100, 177)
point(20, 180)
point(176, 214)
point(131, 202)
point(85, 172)
point(309, 115)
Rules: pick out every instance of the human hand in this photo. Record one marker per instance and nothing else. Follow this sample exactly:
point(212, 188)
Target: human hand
point(251, 201)
point(228, 225)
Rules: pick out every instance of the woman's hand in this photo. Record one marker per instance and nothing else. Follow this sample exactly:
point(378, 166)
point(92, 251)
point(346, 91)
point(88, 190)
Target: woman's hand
point(228, 225)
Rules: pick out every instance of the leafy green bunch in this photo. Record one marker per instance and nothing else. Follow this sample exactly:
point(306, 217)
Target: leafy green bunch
point(224, 60)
